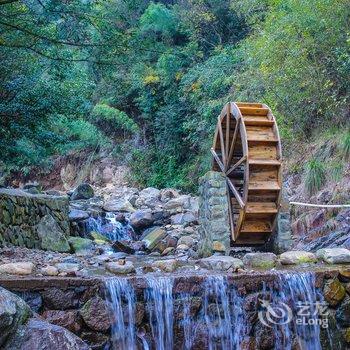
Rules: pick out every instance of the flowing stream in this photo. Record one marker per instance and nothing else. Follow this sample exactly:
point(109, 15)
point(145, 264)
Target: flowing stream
point(109, 227)
point(216, 317)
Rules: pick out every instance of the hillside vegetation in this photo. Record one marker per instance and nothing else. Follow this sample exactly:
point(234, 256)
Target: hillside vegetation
point(146, 80)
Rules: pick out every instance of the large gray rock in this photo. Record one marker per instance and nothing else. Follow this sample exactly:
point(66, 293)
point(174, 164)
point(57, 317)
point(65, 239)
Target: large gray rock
point(178, 204)
point(120, 269)
point(17, 268)
point(13, 312)
point(77, 215)
point(334, 255)
point(221, 263)
point(141, 218)
point(96, 315)
point(83, 191)
point(41, 335)
point(260, 260)
point(183, 219)
point(295, 257)
point(118, 204)
point(153, 237)
point(51, 235)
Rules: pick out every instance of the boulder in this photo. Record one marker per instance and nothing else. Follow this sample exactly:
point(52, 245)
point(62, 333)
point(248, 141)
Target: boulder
point(95, 314)
point(124, 247)
point(183, 219)
point(96, 340)
point(60, 299)
point(178, 204)
point(141, 218)
point(153, 237)
point(49, 271)
point(17, 268)
point(169, 265)
point(77, 215)
point(79, 244)
point(260, 260)
point(221, 263)
point(334, 292)
point(69, 319)
point(168, 193)
point(69, 268)
point(334, 255)
point(118, 204)
point(83, 191)
point(219, 247)
point(51, 236)
point(13, 312)
point(41, 335)
point(150, 192)
point(120, 269)
point(294, 257)
point(188, 240)
point(342, 314)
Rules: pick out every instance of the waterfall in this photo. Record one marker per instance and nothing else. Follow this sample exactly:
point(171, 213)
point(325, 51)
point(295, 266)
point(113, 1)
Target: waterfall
point(109, 227)
point(159, 299)
point(294, 311)
point(223, 314)
point(216, 317)
point(298, 291)
point(122, 298)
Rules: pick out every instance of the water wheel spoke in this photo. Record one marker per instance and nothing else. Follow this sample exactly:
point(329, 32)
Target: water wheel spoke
point(218, 160)
point(227, 144)
point(244, 158)
point(233, 142)
point(222, 143)
point(235, 193)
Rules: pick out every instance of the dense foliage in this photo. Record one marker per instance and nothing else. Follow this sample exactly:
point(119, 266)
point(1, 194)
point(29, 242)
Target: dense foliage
point(148, 79)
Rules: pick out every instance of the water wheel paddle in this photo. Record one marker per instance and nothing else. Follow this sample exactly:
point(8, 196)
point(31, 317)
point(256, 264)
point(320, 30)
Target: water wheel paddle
point(247, 150)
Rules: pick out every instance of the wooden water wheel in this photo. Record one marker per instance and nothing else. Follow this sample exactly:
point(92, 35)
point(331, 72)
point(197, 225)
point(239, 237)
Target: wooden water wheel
point(247, 150)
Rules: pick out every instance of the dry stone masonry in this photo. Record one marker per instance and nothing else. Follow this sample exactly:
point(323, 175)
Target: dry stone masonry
point(213, 214)
point(34, 220)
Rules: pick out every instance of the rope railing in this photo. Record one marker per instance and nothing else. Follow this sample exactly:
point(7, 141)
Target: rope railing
point(321, 205)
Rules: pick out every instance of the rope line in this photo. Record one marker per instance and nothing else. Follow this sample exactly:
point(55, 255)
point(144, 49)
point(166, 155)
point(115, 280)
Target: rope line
point(321, 205)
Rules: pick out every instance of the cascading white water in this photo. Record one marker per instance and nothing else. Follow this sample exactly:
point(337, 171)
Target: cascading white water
point(109, 227)
point(220, 317)
point(121, 295)
point(225, 322)
point(159, 299)
point(298, 292)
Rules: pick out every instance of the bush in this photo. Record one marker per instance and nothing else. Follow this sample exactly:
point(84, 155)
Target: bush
point(315, 176)
point(346, 146)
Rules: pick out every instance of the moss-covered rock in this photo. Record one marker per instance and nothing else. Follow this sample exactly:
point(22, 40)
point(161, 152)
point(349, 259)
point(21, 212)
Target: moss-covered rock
point(334, 292)
point(79, 244)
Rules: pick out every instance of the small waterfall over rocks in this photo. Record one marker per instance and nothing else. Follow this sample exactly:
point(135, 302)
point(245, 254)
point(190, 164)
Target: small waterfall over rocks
point(109, 227)
point(217, 316)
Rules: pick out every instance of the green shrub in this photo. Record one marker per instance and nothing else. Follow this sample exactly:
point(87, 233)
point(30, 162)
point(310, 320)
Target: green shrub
point(114, 117)
point(315, 176)
point(346, 146)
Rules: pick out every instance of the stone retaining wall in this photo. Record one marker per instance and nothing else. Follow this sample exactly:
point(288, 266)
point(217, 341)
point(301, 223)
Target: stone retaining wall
point(79, 305)
point(213, 214)
point(33, 221)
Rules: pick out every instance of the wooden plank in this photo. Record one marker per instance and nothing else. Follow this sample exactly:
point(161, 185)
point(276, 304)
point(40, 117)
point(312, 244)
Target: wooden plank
point(233, 142)
point(262, 151)
point(256, 226)
point(257, 121)
point(228, 172)
point(218, 160)
point(262, 174)
point(222, 145)
point(264, 186)
point(235, 193)
point(249, 104)
point(253, 111)
point(264, 162)
point(261, 208)
point(227, 145)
